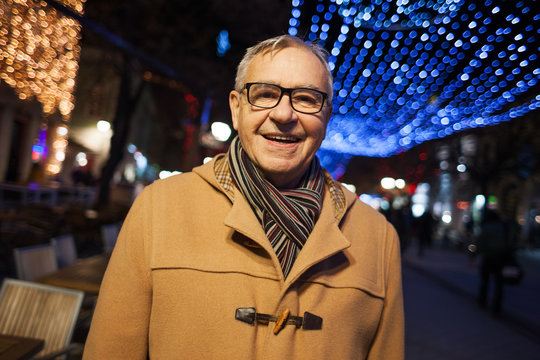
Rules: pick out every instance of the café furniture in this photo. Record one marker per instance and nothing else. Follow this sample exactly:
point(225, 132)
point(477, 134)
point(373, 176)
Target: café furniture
point(32, 310)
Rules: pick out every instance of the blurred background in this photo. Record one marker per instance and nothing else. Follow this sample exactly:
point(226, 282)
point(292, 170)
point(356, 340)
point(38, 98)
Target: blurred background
point(108, 96)
point(435, 112)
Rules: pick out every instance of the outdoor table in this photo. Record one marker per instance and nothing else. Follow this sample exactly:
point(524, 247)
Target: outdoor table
point(19, 348)
point(84, 274)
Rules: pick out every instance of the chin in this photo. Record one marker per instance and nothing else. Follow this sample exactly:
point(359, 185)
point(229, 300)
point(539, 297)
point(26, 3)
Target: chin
point(284, 166)
point(269, 173)
point(283, 173)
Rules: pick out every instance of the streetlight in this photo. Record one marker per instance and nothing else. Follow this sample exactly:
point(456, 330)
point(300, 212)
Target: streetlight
point(388, 183)
point(103, 126)
point(221, 131)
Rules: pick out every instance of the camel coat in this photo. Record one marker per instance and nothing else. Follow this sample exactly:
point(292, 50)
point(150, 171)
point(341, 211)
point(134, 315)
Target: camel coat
point(189, 255)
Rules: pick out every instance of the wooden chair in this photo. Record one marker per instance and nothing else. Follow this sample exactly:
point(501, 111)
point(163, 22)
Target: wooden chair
point(40, 311)
point(65, 250)
point(33, 262)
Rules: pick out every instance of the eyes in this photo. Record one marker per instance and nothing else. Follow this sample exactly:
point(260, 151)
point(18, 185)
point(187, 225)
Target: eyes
point(306, 98)
point(264, 94)
point(267, 96)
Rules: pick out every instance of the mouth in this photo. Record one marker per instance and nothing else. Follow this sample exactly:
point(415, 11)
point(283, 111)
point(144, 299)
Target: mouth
point(285, 139)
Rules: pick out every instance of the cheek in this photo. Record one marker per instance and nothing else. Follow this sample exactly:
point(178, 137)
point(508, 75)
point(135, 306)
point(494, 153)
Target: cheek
point(250, 121)
point(242, 123)
point(316, 129)
point(247, 129)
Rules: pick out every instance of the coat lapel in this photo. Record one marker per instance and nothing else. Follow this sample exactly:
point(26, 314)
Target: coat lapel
point(325, 240)
point(242, 219)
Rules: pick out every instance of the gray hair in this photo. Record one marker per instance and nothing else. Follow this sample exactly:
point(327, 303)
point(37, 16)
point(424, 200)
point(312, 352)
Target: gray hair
point(278, 43)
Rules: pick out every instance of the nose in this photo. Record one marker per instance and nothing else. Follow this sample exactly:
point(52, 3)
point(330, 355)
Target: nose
point(283, 112)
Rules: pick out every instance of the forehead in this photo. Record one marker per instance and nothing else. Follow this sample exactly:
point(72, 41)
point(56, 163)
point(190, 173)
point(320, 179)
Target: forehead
point(288, 67)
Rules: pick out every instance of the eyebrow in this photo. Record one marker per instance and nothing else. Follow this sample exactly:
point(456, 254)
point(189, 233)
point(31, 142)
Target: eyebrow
point(294, 87)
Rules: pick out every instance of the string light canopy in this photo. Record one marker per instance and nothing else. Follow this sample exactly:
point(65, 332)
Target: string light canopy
point(409, 71)
point(39, 52)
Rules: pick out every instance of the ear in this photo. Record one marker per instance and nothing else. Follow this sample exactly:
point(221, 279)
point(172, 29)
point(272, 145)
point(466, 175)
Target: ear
point(234, 105)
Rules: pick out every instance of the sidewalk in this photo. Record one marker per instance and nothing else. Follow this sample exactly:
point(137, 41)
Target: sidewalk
point(458, 272)
point(441, 324)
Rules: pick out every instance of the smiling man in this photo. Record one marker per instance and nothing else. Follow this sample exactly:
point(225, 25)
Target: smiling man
point(282, 130)
point(258, 254)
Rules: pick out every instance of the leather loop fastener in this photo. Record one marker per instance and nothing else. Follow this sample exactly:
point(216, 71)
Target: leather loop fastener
point(250, 316)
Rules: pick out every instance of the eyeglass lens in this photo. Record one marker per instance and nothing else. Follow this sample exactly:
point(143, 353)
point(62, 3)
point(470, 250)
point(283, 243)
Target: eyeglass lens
point(268, 96)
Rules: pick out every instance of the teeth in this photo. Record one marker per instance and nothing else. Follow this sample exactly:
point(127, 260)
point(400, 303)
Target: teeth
point(281, 138)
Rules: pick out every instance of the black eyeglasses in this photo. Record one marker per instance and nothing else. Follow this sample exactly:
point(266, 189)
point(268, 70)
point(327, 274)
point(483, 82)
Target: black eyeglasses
point(267, 96)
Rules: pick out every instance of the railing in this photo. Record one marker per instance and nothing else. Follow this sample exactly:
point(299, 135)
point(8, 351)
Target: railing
point(13, 195)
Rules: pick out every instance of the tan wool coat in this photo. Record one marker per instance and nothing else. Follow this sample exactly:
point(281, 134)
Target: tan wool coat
point(189, 255)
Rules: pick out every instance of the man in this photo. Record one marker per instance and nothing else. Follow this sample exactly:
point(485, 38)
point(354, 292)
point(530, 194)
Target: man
point(495, 246)
point(258, 254)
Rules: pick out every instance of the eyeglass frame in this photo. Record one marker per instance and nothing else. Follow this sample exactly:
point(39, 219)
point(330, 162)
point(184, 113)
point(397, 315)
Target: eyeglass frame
point(288, 91)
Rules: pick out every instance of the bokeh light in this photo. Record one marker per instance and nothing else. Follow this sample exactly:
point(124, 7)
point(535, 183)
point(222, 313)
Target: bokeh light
point(406, 72)
point(39, 52)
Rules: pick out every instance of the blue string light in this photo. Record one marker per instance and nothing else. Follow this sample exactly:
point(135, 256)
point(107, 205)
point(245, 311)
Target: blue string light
point(410, 71)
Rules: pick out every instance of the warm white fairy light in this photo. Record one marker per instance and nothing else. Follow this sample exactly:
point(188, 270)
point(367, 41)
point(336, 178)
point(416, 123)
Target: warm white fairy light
point(39, 52)
point(39, 55)
point(59, 147)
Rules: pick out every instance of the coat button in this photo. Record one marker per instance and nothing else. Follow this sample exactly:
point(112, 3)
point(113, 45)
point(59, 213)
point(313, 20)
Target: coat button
point(281, 321)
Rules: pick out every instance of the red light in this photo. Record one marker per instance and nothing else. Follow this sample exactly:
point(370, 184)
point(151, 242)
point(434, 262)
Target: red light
point(463, 205)
point(190, 98)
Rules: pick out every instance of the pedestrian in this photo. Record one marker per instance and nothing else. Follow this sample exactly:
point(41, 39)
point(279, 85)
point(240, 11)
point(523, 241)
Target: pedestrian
point(425, 232)
point(495, 248)
point(258, 254)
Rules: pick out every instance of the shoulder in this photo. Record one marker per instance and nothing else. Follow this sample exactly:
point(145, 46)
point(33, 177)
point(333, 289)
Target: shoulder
point(172, 186)
point(368, 230)
point(361, 213)
point(183, 179)
point(179, 191)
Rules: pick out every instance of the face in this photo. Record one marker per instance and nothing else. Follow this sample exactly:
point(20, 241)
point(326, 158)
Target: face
point(280, 141)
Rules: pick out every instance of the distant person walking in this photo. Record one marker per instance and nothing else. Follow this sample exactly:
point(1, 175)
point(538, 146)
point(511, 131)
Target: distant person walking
point(425, 231)
point(495, 247)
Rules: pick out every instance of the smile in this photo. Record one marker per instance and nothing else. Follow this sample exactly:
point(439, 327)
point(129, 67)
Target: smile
point(282, 138)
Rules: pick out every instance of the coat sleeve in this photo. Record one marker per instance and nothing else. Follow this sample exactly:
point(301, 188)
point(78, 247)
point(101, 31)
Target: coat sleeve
point(389, 342)
point(119, 328)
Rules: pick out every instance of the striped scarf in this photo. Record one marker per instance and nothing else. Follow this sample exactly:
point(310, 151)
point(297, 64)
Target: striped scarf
point(287, 216)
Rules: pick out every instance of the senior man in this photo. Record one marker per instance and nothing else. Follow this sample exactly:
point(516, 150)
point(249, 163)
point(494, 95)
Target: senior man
point(257, 254)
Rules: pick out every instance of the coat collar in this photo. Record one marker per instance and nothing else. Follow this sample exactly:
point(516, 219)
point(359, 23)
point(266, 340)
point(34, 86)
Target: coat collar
point(325, 240)
point(216, 165)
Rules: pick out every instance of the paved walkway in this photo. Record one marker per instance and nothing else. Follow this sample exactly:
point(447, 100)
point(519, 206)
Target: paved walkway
point(443, 320)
